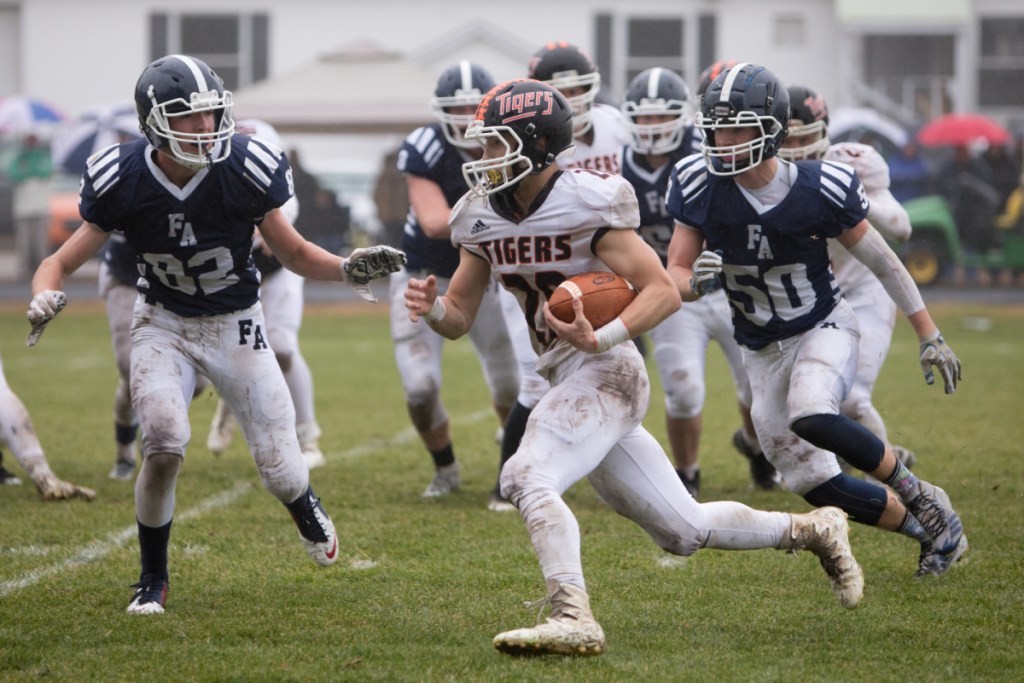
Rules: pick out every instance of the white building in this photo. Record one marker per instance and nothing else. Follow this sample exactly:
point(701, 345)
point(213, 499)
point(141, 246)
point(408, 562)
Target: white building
point(910, 59)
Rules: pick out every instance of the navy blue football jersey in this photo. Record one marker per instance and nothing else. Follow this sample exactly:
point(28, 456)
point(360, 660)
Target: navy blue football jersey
point(775, 264)
point(650, 187)
point(121, 259)
point(426, 153)
point(193, 243)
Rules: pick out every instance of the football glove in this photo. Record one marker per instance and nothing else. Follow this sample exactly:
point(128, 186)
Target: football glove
point(706, 270)
point(371, 263)
point(42, 309)
point(936, 354)
point(52, 488)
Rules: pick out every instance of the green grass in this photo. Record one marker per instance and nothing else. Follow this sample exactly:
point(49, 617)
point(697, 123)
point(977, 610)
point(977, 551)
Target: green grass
point(423, 586)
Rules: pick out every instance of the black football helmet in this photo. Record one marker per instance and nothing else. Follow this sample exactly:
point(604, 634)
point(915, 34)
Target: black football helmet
point(808, 117)
point(563, 66)
point(178, 85)
point(745, 95)
point(657, 92)
point(532, 120)
point(460, 85)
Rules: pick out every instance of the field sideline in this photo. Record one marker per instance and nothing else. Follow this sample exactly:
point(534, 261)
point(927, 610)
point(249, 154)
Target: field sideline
point(423, 586)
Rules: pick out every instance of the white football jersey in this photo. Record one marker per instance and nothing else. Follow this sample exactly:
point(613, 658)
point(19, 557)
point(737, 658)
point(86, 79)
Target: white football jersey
point(885, 213)
point(604, 153)
point(532, 257)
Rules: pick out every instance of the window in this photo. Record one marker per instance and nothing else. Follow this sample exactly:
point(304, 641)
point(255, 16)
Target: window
point(790, 30)
point(1001, 63)
point(653, 42)
point(234, 45)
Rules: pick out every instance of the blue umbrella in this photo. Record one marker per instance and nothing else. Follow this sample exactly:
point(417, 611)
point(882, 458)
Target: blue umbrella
point(20, 114)
point(97, 128)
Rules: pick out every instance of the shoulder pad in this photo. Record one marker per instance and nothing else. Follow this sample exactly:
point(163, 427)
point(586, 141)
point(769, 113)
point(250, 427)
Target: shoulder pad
point(871, 167)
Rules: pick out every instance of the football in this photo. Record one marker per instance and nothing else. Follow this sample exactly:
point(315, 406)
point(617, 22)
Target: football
point(604, 296)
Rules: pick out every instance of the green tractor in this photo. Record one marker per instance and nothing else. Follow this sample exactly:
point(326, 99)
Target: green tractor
point(934, 245)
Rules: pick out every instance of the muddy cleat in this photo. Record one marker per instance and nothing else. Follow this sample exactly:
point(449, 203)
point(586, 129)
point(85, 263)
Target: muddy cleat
point(309, 435)
point(762, 472)
point(570, 630)
point(446, 479)
point(905, 456)
point(150, 595)
point(498, 504)
point(123, 470)
point(52, 488)
point(933, 510)
point(222, 429)
point(931, 563)
point(316, 530)
point(826, 533)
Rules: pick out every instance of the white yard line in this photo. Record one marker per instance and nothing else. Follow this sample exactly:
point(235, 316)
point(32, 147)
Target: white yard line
point(100, 548)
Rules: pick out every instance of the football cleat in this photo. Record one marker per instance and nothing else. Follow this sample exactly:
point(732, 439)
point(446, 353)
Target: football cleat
point(52, 488)
point(934, 511)
point(931, 563)
point(570, 630)
point(762, 472)
point(309, 434)
point(123, 470)
point(496, 503)
point(446, 479)
point(692, 484)
point(222, 429)
point(316, 531)
point(150, 595)
point(826, 533)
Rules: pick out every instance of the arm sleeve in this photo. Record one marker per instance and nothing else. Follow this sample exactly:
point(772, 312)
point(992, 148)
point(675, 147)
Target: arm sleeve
point(874, 253)
point(888, 216)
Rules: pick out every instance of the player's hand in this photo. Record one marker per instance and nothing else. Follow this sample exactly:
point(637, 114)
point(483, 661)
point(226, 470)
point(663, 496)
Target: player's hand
point(579, 333)
point(371, 263)
point(706, 270)
point(45, 305)
point(52, 488)
point(420, 296)
point(936, 354)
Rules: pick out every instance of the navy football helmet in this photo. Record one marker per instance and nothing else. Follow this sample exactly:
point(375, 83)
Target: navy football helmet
point(566, 67)
point(743, 96)
point(460, 85)
point(532, 120)
point(178, 85)
point(808, 117)
point(657, 92)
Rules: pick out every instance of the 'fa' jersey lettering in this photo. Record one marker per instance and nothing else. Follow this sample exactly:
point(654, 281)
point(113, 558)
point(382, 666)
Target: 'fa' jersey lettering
point(426, 153)
point(776, 264)
point(193, 242)
point(530, 258)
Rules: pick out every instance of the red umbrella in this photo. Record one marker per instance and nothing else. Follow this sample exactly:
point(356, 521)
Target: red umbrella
point(962, 129)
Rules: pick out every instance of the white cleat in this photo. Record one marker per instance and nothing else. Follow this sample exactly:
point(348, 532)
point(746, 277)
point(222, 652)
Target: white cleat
point(309, 435)
point(446, 479)
point(570, 630)
point(826, 533)
point(222, 429)
point(316, 531)
point(498, 504)
point(150, 596)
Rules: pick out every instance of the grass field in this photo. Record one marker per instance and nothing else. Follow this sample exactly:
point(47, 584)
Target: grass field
point(423, 586)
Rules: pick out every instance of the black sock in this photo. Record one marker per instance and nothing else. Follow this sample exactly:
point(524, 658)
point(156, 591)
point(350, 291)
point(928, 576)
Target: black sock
point(125, 434)
point(153, 543)
point(515, 427)
point(443, 457)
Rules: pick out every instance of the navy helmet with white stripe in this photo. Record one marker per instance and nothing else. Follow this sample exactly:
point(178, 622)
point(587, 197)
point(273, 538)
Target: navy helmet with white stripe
point(745, 95)
point(662, 93)
point(179, 85)
point(460, 88)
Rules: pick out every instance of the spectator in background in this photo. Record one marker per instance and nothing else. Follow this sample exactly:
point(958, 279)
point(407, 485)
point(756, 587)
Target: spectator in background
point(966, 183)
point(325, 221)
point(30, 171)
point(391, 196)
point(908, 173)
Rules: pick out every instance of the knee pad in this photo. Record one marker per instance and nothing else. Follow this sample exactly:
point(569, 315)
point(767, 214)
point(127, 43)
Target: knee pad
point(862, 501)
point(844, 437)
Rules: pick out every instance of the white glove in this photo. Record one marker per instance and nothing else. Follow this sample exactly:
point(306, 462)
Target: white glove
point(52, 488)
point(935, 353)
point(371, 263)
point(706, 270)
point(45, 305)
